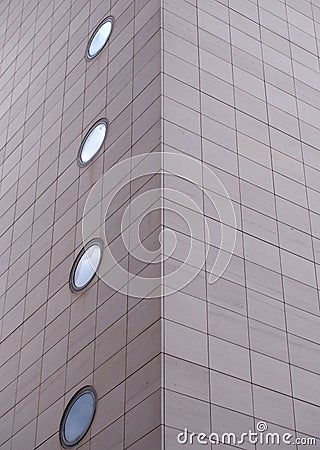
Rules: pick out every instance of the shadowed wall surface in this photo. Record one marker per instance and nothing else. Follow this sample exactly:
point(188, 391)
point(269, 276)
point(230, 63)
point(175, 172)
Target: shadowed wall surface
point(235, 85)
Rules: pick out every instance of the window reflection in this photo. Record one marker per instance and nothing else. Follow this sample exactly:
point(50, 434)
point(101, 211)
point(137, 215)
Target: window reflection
point(93, 142)
point(100, 38)
point(78, 417)
point(86, 265)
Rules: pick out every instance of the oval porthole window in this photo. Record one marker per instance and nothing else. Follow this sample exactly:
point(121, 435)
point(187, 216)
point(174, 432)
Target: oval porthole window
point(78, 416)
point(86, 265)
point(92, 142)
point(100, 37)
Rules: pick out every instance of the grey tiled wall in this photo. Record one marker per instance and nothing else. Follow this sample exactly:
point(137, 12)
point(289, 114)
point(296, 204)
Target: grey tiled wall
point(232, 83)
point(52, 341)
point(241, 94)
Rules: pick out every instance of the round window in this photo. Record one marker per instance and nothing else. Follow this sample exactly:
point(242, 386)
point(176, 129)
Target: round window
point(86, 265)
point(100, 37)
point(92, 142)
point(78, 416)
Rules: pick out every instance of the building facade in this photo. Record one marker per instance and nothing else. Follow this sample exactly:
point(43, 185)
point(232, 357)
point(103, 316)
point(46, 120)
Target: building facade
point(197, 123)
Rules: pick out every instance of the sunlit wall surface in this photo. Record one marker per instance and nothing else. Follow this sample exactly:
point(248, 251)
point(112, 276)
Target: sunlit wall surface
point(242, 94)
point(54, 341)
